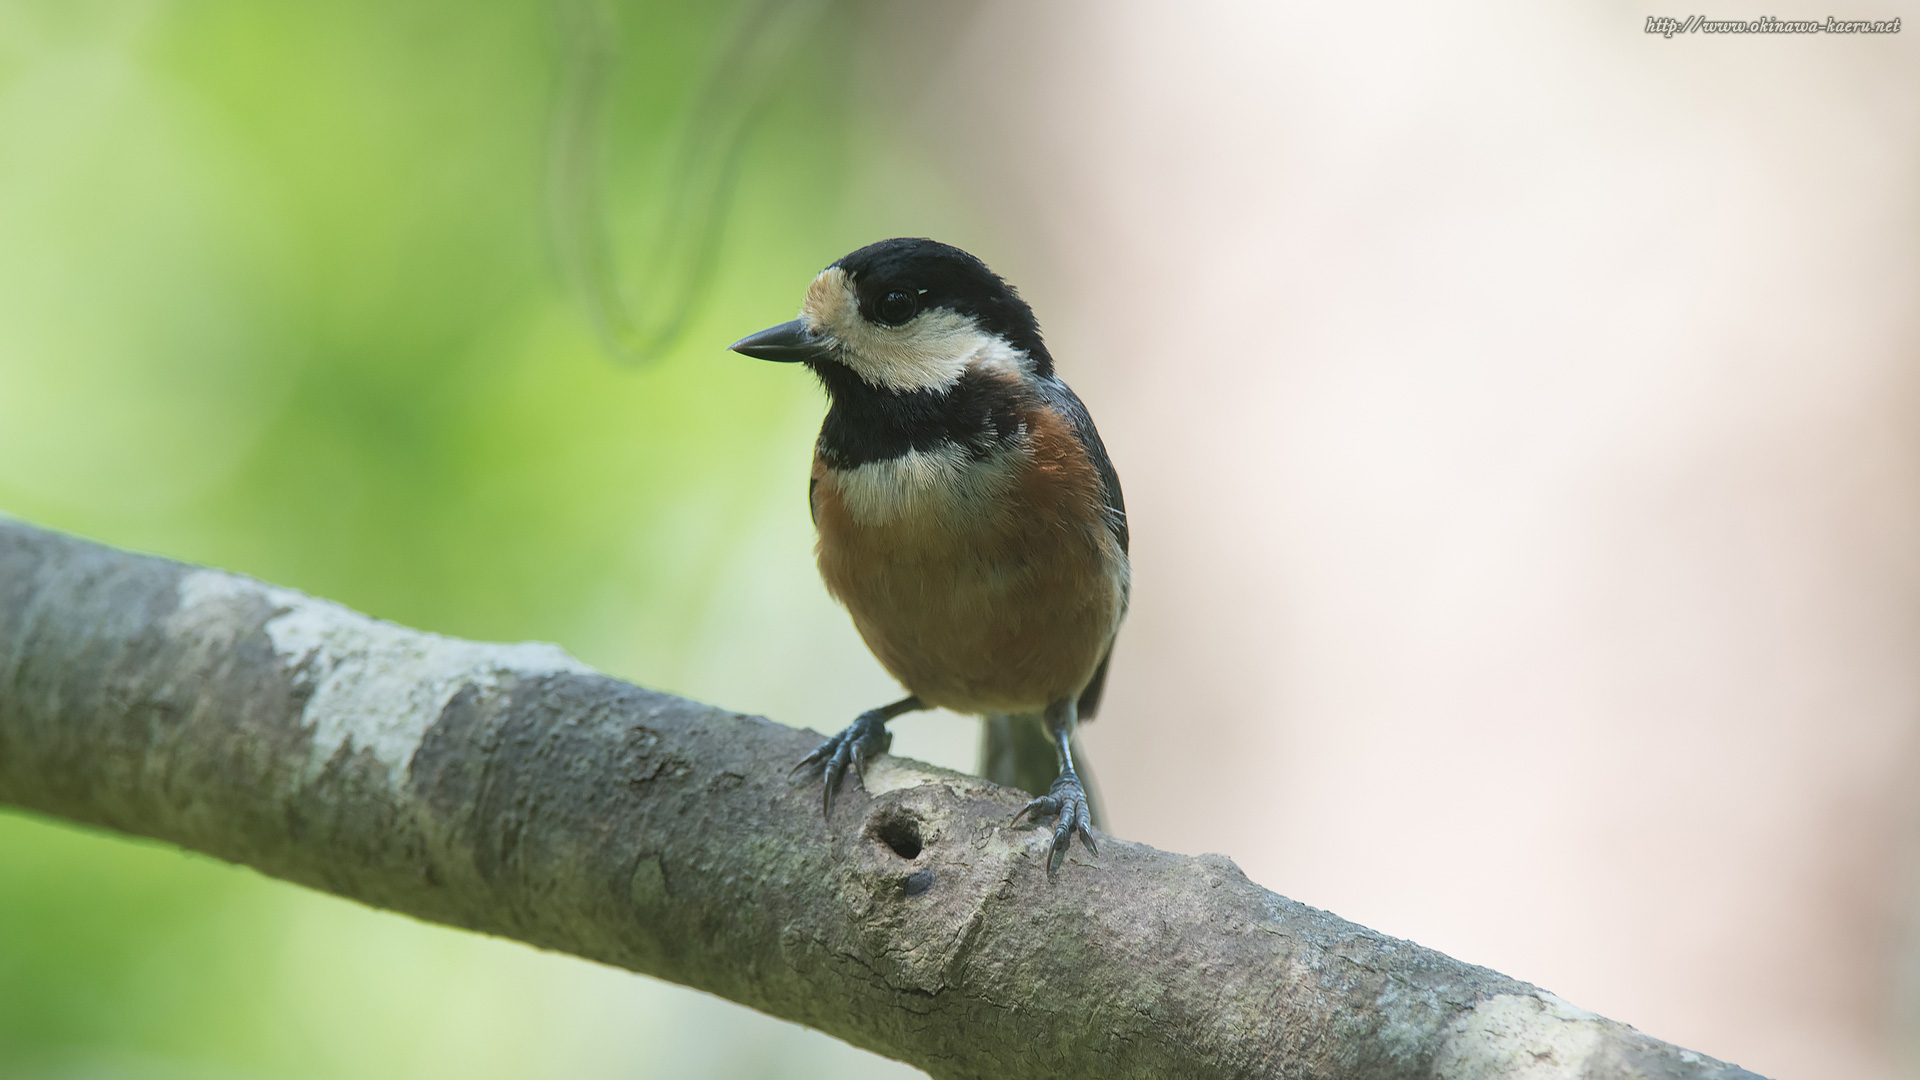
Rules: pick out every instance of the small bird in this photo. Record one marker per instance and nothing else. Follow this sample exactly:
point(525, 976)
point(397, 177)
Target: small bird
point(968, 515)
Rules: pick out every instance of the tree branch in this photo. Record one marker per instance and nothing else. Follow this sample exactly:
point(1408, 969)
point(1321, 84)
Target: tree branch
point(510, 790)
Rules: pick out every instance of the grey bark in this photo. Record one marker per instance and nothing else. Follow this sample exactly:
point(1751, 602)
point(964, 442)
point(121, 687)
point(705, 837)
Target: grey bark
point(510, 790)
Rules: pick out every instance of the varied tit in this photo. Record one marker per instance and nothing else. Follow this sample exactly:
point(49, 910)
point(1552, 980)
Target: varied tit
point(967, 514)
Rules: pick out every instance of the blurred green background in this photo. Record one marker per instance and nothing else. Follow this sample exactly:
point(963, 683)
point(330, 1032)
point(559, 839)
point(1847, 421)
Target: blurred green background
point(278, 294)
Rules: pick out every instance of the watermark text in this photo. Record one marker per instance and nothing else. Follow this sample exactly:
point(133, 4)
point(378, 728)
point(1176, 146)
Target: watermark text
point(1667, 26)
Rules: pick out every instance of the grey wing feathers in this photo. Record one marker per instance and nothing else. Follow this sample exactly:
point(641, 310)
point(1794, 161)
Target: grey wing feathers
point(1067, 403)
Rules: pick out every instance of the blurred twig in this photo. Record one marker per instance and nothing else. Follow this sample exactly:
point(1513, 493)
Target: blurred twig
point(507, 789)
point(638, 316)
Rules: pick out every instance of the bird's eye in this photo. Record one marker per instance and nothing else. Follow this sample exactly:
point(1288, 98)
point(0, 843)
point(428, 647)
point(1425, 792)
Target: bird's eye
point(897, 307)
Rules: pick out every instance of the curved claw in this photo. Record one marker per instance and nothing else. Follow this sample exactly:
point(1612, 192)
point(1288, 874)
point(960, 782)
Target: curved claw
point(863, 739)
point(1044, 806)
point(819, 755)
point(836, 770)
point(1067, 805)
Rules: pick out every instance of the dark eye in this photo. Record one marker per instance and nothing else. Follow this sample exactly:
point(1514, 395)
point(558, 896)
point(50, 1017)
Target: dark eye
point(897, 307)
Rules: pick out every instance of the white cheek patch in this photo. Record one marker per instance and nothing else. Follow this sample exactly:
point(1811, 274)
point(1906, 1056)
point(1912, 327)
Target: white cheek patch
point(930, 352)
point(999, 357)
point(938, 486)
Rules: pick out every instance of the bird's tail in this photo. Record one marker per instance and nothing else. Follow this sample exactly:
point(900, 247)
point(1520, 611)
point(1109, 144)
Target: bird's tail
point(1016, 751)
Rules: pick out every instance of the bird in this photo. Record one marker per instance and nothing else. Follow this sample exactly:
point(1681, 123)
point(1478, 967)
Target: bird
point(967, 515)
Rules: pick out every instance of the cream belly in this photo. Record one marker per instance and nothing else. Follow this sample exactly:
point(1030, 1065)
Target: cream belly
point(983, 586)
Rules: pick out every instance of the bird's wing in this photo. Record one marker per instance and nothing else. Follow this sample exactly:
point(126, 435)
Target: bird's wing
point(813, 487)
point(1063, 400)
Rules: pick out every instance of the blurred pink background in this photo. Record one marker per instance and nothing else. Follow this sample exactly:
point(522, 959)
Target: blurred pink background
point(1520, 422)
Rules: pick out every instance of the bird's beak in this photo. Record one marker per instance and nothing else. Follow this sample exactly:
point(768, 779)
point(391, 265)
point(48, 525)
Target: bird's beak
point(787, 343)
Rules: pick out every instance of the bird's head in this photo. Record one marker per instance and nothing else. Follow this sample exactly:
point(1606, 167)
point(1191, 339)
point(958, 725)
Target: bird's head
point(906, 316)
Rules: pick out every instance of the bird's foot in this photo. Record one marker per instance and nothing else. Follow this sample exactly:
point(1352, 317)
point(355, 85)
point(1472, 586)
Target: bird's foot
point(1066, 804)
point(864, 739)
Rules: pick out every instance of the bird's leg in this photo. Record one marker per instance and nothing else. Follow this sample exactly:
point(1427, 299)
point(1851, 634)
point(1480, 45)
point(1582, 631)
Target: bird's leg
point(865, 738)
point(1066, 801)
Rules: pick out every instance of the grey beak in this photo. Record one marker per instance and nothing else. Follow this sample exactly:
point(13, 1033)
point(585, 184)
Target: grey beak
point(788, 343)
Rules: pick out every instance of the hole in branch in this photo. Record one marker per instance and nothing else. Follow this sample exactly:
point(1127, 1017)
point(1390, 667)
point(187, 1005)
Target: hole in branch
point(901, 833)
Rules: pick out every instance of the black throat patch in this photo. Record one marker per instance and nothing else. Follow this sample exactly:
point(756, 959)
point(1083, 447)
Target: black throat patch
point(980, 413)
